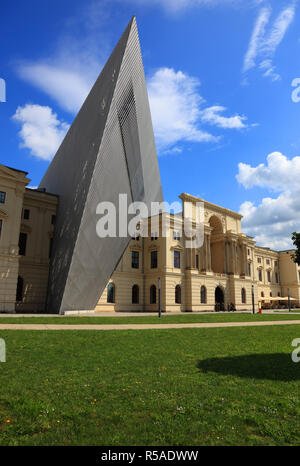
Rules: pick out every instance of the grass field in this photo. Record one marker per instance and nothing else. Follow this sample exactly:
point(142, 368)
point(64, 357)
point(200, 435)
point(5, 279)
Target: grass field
point(143, 319)
point(233, 386)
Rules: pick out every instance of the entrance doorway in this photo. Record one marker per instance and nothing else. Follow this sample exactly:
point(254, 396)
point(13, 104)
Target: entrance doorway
point(219, 299)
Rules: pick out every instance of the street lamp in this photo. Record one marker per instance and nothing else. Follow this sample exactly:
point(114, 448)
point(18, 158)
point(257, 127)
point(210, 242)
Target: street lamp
point(253, 303)
point(159, 297)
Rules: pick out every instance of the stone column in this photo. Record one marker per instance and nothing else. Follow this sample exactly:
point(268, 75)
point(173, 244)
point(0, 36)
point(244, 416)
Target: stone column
point(225, 256)
point(245, 260)
point(189, 258)
point(209, 268)
point(234, 262)
point(203, 254)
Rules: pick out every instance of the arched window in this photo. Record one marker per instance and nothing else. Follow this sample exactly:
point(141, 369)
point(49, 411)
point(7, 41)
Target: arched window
point(243, 296)
point(19, 296)
point(203, 295)
point(271, 294)
point(111, 293)
point(135, 294)
point(262, 294)
point(153, 294)
point(178, 294)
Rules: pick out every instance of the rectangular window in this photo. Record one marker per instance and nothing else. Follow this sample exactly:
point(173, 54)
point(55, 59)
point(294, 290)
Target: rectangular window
point(135, 259)
point(153, 259)
point(53, 219)
point(249, 269)
point(1, 223)
point(22, 244)
point(176, 235)
point(248, 252)
point(269, 276)
point(259, 260)
point(268, 261)
point(276, 277)
point(197, 261)
point(2, 197)
point(177, 259)
point(260, 275)
point(26, 214)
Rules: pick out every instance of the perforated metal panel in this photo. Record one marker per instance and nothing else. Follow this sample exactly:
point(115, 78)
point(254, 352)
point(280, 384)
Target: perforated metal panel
point(108, 150)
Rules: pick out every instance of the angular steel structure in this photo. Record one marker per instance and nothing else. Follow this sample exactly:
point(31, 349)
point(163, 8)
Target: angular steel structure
point(108, 150)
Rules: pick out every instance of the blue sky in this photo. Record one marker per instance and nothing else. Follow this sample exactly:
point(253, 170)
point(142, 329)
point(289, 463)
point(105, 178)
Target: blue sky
point(219, 76)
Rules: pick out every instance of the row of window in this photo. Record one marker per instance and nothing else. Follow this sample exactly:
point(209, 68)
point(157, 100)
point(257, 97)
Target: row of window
point(135, 259)
point(111, 294)
point(176, 236)
point(260, 278)
point(271, 294)
point(268, 261)
point(23, 244)
point(26, 216)
point(154, 236)
point(23, 236)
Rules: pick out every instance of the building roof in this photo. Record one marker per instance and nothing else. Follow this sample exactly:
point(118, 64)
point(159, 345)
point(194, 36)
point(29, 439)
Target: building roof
point(16, 169)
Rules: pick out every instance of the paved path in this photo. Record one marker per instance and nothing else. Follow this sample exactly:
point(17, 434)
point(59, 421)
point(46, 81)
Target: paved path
point(143, 326)
point(93, 314)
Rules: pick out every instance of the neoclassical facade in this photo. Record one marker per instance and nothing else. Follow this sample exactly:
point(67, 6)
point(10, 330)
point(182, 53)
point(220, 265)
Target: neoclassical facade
point(27, 220)
point(221, 271)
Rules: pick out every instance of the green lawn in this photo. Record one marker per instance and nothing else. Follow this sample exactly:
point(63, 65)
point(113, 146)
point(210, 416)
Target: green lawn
point(233, 386)
point(165, 319)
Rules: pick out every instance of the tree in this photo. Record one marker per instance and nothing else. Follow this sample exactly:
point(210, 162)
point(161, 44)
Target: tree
point(296, 241)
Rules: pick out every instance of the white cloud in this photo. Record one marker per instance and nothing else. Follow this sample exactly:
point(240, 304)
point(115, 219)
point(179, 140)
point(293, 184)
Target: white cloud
point(175, 102)
point(280, 26)
point(212, 116)
point(176, 105)
point(274, 219)
point(69, 73)
point(177, 113)
point(269, 70)
point(175, 108)
point(65, 85)
point(279, 173)
point(173, 150)
point(178, 5)
point(257, 37)
point(262, 45)
point(41, 131)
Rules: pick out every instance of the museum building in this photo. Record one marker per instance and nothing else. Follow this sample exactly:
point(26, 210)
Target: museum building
point(219, 273)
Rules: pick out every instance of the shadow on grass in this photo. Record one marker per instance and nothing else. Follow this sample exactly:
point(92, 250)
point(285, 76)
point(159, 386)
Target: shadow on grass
point(278, 366)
